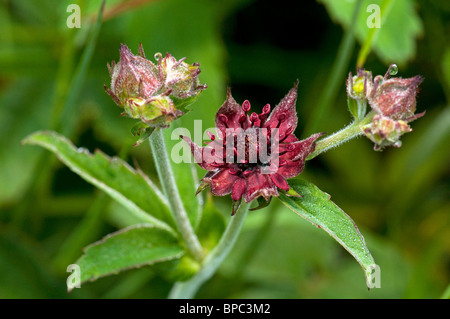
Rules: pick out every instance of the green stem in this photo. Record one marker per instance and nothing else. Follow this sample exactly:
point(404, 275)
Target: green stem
point(165, 173)
point(187, 289)
point(347, 133)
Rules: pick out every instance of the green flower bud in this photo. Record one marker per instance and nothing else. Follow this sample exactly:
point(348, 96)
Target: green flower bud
point(359, 86)
point(134, 79)
point(179, 77)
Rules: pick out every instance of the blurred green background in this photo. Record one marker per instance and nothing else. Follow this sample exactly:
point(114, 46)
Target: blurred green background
point(399, 198)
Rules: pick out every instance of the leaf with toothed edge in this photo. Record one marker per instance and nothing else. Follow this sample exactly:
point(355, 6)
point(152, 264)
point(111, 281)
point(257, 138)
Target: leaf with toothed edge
point(316, 207)
point(132, 247)
point(130, 187)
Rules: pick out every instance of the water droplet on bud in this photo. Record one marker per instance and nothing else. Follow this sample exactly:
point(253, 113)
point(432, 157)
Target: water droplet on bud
point(158, 56)
point(393, 69)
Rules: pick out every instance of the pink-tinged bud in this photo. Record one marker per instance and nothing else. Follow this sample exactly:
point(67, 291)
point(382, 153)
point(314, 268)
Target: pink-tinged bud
point(395, 97)
point(394, 102)
point(155, 94)
point(179, 77)
point(384, 131)
point(133, 77)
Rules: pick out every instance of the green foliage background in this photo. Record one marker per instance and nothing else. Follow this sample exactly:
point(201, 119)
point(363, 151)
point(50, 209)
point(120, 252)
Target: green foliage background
point(400, 198)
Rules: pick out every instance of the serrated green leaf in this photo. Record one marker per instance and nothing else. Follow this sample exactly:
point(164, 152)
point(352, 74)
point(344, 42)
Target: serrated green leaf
point(399, 28)
point(316, 206)
point(130, 187)
point(132, 247)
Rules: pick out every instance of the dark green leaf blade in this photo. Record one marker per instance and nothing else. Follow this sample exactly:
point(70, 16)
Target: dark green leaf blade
point(400, 25)
point(129, 187)
point(316, 206)
point(131, 247)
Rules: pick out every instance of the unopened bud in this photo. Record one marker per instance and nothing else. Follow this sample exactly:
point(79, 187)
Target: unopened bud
point(395, 97)
point(359, 86)
point(384, 131)
point(155, 94)
point(394, 102)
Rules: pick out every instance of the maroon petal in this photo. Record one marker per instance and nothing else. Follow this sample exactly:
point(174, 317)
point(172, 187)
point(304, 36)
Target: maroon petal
point(291, 138)
point(229, 114)
point(279, 181)
point(238, 189)
point(290, 169)
point(292, 163)
point(284, 115)
point(259, 185)
point(202, 155)
point(221, 182)
point(298, 149)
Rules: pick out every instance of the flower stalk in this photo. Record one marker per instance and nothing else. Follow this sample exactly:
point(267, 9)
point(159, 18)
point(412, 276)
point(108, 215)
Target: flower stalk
point(347, 133)
point(165, 174)
point(187, 289)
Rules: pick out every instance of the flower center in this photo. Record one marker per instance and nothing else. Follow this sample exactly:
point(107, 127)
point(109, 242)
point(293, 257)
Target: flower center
point(252, 146)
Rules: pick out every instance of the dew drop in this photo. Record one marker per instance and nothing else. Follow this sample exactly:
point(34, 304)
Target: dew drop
point(397, 144)
point(82, 150)
point(393, 69)
point(158, 56)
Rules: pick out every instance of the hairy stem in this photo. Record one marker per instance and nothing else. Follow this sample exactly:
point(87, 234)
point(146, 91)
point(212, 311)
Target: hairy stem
point(347, 133)
point(165, 173)
point(187, 289)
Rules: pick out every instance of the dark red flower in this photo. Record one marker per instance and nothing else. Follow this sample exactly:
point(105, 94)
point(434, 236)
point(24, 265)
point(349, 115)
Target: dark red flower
point(253, 155)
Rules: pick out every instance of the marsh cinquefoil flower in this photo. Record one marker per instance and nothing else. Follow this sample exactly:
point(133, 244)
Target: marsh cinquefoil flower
point(252, 155)
point(154, 94)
